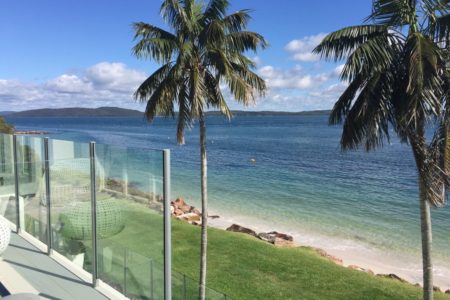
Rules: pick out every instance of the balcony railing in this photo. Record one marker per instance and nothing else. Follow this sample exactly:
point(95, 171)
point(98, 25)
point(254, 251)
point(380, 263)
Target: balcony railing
point(102, 210)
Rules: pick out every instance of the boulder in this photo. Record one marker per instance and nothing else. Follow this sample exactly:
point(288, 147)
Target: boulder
point(179, 202)
point(239, 228)
point(266, 237)
point(437, 289)
point(332, 258)
point(178, 212)
point(392, 276)
point(190, 217)
point(280, 235)
point(185, 208)
point(447, 292)
point(196, 211)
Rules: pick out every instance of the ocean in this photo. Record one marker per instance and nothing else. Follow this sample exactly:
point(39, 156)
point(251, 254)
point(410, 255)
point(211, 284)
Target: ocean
point(286, 173)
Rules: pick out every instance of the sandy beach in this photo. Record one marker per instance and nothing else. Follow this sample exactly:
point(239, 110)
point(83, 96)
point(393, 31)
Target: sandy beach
point(351, 252)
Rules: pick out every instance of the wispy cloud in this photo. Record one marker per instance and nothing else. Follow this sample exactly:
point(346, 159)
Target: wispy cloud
point(302, 48)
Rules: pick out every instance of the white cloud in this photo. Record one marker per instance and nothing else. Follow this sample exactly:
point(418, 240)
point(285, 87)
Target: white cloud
point(114, 76)
point(67, 83)
point(294, 78)
point(103, 84)
point(302, 48)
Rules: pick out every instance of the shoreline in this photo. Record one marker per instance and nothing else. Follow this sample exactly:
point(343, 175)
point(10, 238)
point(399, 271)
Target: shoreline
point(350, 252)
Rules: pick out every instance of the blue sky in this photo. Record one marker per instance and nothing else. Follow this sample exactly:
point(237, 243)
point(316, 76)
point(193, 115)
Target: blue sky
point(78, 53)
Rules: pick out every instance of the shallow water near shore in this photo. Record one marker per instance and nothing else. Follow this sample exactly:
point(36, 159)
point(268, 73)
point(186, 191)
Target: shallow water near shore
point(287, 173)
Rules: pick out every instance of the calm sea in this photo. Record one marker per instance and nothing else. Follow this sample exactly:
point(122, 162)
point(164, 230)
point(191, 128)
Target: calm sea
point(283, 172)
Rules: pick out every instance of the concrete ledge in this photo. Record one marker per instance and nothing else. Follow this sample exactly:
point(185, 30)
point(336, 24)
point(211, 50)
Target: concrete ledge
point(13, 281)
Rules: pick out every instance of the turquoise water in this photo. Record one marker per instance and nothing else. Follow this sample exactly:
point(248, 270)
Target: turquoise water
point(299, 180)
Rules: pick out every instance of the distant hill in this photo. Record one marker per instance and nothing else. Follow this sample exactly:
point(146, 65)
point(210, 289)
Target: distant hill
point(5, 113)
point(122, 112)
point(79, 112)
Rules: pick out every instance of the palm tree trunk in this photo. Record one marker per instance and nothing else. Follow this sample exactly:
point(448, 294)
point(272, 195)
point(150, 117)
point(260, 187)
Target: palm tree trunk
point(427, 265)
point(204, 240)
point(418, 148)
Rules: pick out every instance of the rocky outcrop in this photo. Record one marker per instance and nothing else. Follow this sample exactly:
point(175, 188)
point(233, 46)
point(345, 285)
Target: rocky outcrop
point(241, 229)
point(183, 211)
point(330, 257)
point(277, 238)
point(392, 276)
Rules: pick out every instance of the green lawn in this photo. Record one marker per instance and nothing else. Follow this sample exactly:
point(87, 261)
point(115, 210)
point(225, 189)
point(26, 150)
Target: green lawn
point(243, 267)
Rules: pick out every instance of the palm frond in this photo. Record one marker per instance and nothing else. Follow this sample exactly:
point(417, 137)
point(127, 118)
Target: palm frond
point(217, 99)
point(153, 42)
point(343, 104)
point(424, 85)
point(184, 118)
point(215, 10)
point(375, 55)
point(152, 83)
point(237, 21)
point(367, 120)
point(242, 41)
point(392, 12)
point(340, 44)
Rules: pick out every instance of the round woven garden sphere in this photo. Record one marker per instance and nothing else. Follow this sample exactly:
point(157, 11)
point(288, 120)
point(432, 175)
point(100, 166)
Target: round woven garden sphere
point(77, 225)
point(5, 235)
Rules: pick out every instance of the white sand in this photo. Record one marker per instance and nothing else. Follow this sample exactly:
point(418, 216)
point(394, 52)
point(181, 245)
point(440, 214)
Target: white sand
point(351, 252)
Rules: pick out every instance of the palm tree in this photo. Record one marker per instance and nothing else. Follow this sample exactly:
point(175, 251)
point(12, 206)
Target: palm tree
point(204, 50)
point(397, 73)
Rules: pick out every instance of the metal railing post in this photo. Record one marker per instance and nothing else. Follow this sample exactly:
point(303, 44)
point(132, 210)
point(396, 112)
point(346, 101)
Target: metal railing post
point(167, 227)
point(93, 215)
point(48, 195)
point(151, 279)
point(184, 287)
point(16, 183)
point(125, 269)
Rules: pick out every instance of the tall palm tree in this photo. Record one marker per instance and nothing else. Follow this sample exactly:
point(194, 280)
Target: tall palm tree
point(397, 73)
point(204, 50)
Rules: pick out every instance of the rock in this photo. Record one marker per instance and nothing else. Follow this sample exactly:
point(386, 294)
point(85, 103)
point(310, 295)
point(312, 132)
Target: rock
point(178, 212)
point(332, 258)
point(266, 237)
point(186, 208)
point(179, 202)
point(437, 289)
point(190, 217)
point(197, 223)
point(392, 276)
point(447, 292)
point(172, 209)
point(358, 268)
point(238, 228)
point(282, 236)
point(214, 217)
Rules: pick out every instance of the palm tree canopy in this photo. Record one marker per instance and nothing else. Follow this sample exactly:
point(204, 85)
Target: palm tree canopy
point(397, 69)
point(204, 51)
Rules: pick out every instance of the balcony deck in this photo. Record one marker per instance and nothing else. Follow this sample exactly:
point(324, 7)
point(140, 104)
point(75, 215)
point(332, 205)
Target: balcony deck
point(24, 268)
